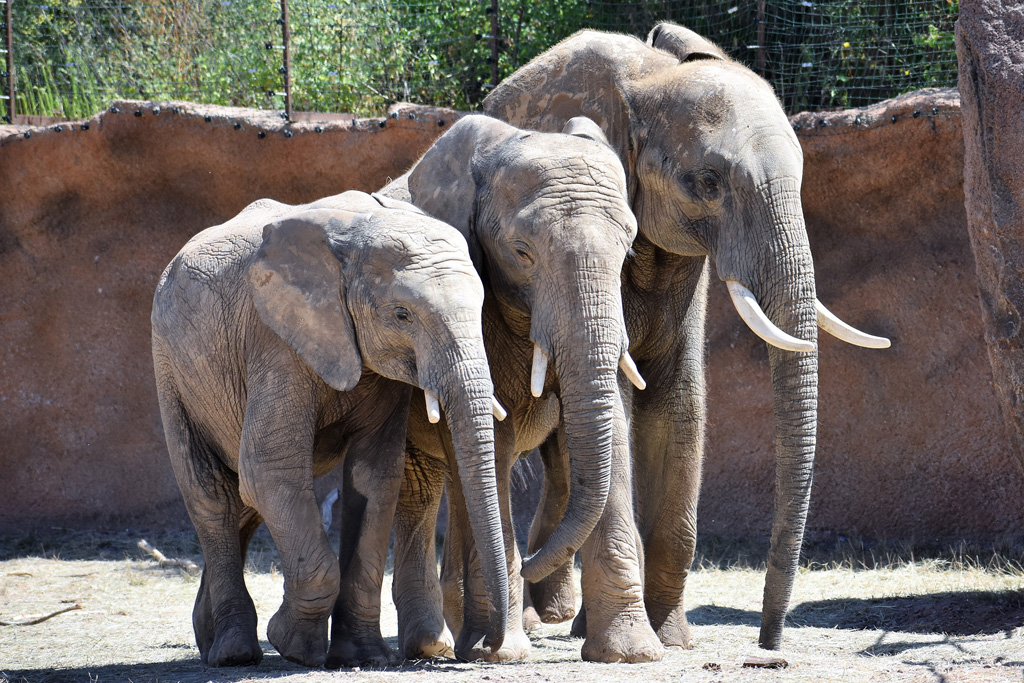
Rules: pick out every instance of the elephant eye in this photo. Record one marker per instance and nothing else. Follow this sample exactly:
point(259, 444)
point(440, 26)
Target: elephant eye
point(522, 253)
point(705, 184)
point(403, 315)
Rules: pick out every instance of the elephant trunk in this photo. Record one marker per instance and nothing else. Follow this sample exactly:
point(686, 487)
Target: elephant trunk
point(784, 287)
point(587, 349)
point(466, 393)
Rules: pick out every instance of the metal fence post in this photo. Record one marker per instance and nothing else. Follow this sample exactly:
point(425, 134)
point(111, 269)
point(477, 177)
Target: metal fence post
point(495, 27)
point(760, 39)
point(286, 68)
point(9, 50)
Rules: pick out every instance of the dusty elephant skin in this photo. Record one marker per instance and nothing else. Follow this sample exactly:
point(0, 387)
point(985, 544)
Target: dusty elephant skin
point(549, 227)
point(284, 341)
point(714, 172)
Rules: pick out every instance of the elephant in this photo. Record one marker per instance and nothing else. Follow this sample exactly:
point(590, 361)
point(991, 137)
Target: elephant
point(714, 172)
point(288, 340)
point(549, 228)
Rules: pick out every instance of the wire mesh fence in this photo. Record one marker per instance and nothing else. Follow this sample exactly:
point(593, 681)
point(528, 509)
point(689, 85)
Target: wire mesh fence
point(71, 58)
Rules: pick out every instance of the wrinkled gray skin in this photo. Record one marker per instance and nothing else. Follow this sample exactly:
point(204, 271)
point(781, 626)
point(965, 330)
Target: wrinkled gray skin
point(548, 226)
point(714, 173)
point(286, 341)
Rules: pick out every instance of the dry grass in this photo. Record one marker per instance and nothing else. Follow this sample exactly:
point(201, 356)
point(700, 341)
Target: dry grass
point(878, 614)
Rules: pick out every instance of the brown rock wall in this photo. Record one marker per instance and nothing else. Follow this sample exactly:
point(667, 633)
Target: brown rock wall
point(88, 220)
point(910, 444)
point(910, 440)
point(990, 51)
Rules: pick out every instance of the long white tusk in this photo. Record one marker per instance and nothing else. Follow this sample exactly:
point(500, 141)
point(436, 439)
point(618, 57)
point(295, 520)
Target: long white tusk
point(748, 308)
point(499, 413)
point(433, 407)
point(540, 371)
point(629, 368)
point(851, 335)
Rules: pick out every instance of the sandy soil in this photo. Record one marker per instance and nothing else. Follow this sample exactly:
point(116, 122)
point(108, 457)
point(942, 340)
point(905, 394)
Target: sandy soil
point(926, 620)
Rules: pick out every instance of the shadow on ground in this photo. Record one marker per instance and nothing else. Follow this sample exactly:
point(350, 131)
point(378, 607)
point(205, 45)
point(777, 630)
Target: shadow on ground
point(965, 613)
point(189, 669)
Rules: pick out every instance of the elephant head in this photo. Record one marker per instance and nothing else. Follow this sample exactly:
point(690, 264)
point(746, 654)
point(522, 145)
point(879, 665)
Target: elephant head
point(714, 169)
point(354, 281)
point(548, 224)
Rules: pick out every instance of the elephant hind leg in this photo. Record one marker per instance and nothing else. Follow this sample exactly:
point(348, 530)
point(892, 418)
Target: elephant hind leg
point(224, 617)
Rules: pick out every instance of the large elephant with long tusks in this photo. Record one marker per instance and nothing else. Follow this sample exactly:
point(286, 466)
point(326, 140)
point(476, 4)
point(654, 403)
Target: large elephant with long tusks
point(287, 340)
point(714, 172)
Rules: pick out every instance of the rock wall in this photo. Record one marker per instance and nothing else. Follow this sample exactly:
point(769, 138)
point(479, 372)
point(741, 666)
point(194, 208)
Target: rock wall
point(90, 214)
point(910, 440)
point(990, 50)
point(910, 443)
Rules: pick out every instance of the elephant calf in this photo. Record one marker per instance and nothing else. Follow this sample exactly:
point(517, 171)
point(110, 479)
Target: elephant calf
point(287, 340)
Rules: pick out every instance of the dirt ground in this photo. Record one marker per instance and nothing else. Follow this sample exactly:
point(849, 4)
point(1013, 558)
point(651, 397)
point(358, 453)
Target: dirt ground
point(954, 616)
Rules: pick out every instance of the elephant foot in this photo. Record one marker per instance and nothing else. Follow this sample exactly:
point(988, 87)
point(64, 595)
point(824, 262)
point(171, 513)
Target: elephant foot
point(428, 643)
point(579, 624)
point(554, 597)
point(470, 647)
point(349, 652)
point(628, 638)
point(675, 630)
point(531, 620)
point(303, 641)
point(234, 646)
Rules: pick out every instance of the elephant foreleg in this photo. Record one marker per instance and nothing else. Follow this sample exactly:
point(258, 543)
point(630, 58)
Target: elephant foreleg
point(276, 478)
point(554, 597)
point(616, 622)
point(671, 452)
point(668, 451)
point(416, 590)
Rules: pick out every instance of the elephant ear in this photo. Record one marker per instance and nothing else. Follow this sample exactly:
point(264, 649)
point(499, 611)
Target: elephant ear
point(444, 181)
point(686, 45)
point(297, 289)
point(585, 127)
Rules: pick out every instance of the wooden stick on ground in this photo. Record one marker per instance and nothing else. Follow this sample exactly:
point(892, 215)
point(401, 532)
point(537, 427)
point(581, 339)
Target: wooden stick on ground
point(186, 564)
point(39, 620)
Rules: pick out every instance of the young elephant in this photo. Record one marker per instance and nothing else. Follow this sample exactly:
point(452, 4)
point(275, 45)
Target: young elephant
point(714, 173)
point(548, 226)
point(286, 340)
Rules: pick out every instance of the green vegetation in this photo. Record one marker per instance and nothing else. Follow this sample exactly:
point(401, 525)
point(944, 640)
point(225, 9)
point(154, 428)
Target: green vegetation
point(73, 57)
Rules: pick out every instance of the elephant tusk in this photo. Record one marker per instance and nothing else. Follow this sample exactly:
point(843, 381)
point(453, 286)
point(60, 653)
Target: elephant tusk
point(755, 318)
point(433, 407)
point(499, 413)
point(540, 371)
point(851, 335)
point(629, 368)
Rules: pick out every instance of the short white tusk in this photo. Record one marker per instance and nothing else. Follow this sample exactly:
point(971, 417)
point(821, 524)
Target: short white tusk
point(499, 413)
point(540, 371)
point(851, 335)
point(748, 308)
point(629, 368)
point(433, 407)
